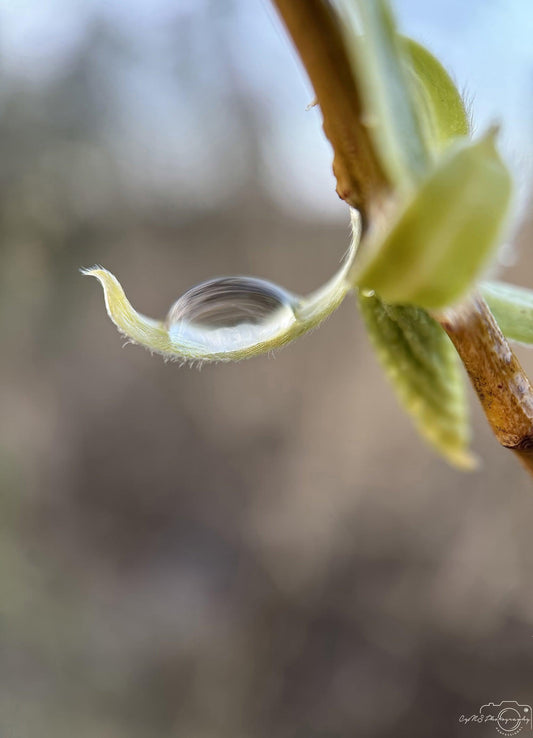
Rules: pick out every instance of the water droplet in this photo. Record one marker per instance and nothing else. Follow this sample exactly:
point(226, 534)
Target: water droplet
point(231, 313)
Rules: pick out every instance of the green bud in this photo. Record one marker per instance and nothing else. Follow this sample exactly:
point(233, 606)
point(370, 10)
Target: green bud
point(444, 236)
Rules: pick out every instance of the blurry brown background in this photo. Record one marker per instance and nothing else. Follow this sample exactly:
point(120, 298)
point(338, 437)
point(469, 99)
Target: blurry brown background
point(255, 550)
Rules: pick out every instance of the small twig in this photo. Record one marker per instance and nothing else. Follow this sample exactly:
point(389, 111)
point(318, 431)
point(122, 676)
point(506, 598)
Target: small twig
point(502, 387)
point(500, 382)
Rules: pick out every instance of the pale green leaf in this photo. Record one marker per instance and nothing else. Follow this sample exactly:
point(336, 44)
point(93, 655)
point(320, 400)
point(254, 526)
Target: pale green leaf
point(512, 307)
point(223, 337)
point(439, 105)
point(424, 370)
point(378, 59)
point(442, 239)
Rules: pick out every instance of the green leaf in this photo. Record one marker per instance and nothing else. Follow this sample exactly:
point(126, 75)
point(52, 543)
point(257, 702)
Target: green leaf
point(424, 370)
point(411, 105)
point(382, 70)
point(444, 236)
point(439, 105)
point(185, 338)
point(513, 309)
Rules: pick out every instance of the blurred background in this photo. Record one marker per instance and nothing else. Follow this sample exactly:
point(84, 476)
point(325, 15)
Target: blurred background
point(256, 550)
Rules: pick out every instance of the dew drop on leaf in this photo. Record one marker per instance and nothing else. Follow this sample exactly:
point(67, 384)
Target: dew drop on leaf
point(229, 318)
point(230, 313)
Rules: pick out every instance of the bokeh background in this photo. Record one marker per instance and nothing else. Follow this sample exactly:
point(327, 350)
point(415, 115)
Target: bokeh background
point(255, 550)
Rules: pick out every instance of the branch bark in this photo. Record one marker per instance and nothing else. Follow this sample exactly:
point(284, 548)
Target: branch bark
point(496, 375)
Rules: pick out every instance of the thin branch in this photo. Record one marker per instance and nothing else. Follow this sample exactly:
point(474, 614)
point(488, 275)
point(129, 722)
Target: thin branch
point(500, 382)
point(316, 34)
point(496, 374)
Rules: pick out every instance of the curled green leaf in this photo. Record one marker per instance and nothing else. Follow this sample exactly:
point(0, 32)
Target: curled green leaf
point(439, 105)
point(443, 237)
point(512, 307)
point(423, 368)
point(228, 318)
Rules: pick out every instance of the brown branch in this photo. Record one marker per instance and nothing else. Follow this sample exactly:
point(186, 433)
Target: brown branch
point(495, 372)
point(316, 34)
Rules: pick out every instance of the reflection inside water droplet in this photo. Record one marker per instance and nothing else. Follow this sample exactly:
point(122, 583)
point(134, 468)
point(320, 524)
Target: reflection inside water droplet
point(231, 313)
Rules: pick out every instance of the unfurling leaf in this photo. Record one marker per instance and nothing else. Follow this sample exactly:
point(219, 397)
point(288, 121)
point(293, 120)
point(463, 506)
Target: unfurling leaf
point(424, 370)
point(441, 240)
point(229, 318)
point(513, 309)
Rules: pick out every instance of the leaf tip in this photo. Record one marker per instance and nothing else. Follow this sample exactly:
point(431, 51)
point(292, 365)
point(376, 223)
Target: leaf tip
point(462, 459)
point(96, 271)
